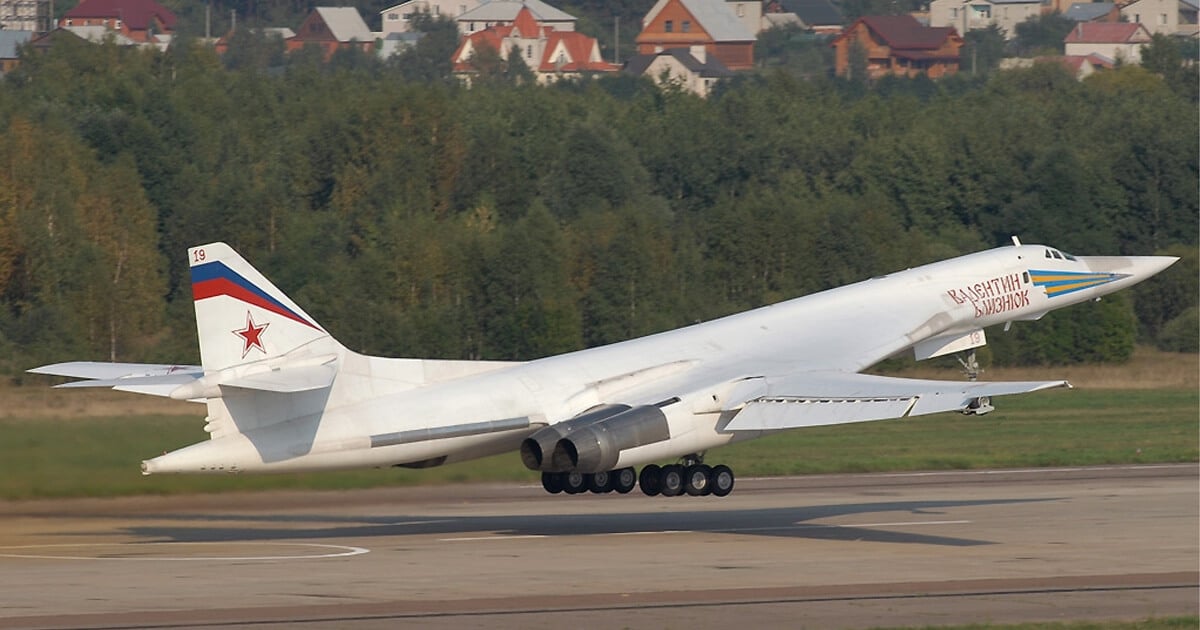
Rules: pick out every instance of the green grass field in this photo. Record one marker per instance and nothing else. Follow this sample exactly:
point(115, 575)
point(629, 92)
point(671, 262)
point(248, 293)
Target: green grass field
point(46, 457)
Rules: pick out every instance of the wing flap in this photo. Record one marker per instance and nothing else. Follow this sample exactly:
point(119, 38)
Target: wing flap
point(819, 399)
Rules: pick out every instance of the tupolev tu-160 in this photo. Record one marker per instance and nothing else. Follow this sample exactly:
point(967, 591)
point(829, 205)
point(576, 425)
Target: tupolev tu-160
point(283, 395)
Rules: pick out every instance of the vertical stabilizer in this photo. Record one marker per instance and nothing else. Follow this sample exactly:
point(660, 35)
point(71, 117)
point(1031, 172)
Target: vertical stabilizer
point(240, 316)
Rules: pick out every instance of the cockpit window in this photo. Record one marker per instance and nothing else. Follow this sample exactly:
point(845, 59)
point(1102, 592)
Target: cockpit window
point(1048, 254)
point(1056, 254)
point(1068, 256)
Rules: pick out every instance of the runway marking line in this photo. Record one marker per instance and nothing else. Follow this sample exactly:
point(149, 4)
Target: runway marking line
point(345, 551)
point(731, 530)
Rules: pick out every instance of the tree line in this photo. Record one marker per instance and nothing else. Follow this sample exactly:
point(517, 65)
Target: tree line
point(415, 217)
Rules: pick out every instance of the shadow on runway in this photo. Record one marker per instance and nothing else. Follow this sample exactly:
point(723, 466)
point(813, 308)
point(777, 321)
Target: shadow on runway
point(788, 522)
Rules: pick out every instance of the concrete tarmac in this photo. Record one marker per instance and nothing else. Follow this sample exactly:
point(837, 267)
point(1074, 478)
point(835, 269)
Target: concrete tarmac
point(830, 551)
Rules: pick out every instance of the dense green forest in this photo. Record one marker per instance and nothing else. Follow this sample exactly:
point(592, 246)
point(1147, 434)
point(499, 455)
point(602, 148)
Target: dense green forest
point(414, 217)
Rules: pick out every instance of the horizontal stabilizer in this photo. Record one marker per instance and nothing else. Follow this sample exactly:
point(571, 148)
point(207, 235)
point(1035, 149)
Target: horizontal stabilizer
point(112, 371)
point(139, 378)
point(819, 399)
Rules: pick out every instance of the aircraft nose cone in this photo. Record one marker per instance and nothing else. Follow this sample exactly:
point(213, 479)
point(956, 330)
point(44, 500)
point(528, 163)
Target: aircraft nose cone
point(1140, 267)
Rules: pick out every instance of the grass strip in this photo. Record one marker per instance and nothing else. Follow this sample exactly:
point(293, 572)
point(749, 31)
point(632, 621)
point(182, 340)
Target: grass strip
point(45, 457)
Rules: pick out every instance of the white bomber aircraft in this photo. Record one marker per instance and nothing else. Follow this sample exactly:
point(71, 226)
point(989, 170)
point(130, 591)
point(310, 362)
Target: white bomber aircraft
point(283, 395)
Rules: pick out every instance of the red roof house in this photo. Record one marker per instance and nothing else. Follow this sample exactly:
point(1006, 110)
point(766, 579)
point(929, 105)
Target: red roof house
point(899, 44)
point(549, 53)
point(139, 20)
point(1112, 40)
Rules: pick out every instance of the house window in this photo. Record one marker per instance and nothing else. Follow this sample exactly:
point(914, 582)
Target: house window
point(471, 27)
point(529, 52)
point(462, 8)
point(982, 11)
point(392, 17)
point(1162, 19)
point(669, 27)
point(1137, 18)
point(741, 10)
point(687, 26)
point(953, 13)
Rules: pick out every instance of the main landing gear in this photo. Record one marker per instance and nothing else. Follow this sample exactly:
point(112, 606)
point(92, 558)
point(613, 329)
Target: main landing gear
point(691, 477)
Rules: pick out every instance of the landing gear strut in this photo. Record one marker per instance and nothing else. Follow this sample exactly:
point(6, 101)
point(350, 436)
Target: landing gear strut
point(983, 404)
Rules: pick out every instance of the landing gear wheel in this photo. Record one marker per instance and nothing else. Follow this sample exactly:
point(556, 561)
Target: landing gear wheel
point(600, 483)
point(573, 482)
point(651, 480)
point(697, 480)
point(721, 480)
point(624, 480)
point(552, 482)
point(672, 480)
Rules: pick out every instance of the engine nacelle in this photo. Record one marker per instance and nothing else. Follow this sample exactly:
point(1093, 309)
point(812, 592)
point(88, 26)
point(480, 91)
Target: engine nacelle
point(597, 446)
point(537, 448)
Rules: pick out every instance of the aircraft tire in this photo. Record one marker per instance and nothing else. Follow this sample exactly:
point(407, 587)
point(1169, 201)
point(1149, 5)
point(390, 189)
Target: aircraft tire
point(624, 480)
point(552, 482)
point(600, 483)
point(574, 483)
point(722, 480)
point(697, 480)
point(672, 480)
point(650, 480)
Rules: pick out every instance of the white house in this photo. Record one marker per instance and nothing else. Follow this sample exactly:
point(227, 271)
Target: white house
point(1168, 17)
point(504, 12)
point(690, 69)
point(398, 19)
point(1114, 40)
point(969, 15)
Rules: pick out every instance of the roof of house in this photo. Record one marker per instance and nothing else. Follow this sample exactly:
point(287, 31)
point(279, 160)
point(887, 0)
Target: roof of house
point(577, 48)
point(507, 10)
point(136, 14)
point(1088, 11)
point(814, 12)
point(712, 68)
point(904, 32)
point(1107, 33)
point(99, 33)
point(345, 23)
point(714, 16)
point(11, 40)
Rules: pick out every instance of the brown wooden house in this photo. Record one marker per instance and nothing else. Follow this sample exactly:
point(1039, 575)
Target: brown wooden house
point(688, 23)
point(900, 45)
point(331, 29)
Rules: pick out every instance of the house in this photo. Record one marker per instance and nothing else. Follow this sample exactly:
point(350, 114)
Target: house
point(1093, 12)
point(818, 16)
point(283, 33)
point(25, 15)
point(712, 24)
point(399, 19)
point(140, 21)
point(504, 13)
point(1078, 65)
point(10, 47)
point(900, 45)
point(1166, 17)
point(1119, 41)
point(688, 69)
point(970, 15)
point(550, 53)
point(332, 29)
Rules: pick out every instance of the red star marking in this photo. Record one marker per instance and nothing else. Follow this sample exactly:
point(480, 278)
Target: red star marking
point(252, 335)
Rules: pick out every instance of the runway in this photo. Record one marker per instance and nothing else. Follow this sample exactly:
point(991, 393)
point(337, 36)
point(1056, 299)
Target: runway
point(830, 551)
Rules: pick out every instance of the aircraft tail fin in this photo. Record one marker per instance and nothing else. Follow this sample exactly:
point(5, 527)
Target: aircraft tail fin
point(241, 317)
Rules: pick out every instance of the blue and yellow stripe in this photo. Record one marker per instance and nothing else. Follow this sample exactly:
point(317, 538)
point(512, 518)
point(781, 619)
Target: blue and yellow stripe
point(1058, 283)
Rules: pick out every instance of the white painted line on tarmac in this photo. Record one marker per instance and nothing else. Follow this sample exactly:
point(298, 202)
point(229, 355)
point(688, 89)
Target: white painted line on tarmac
point(341, 551)
point(494, 537)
